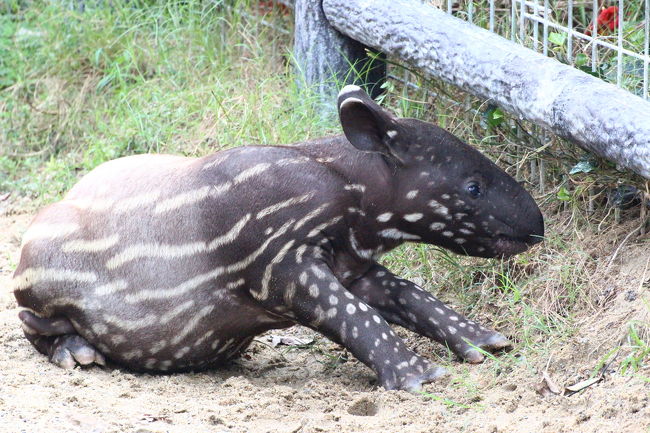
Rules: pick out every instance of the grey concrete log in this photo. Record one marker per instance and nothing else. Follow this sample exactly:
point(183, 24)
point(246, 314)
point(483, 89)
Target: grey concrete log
point(596, 115)
point(325, 58)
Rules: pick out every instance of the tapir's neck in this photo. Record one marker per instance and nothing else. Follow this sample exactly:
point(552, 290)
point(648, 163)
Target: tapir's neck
point(367, 173)
point(370, 181)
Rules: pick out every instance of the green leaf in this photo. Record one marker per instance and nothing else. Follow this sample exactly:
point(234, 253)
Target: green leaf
point(563, 194)
point(494, 117)
point(584, 166)
point(557, 38)
point(581, 59)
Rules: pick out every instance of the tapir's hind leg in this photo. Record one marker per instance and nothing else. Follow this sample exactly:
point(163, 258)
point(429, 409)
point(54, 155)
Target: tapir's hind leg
point(57, 338)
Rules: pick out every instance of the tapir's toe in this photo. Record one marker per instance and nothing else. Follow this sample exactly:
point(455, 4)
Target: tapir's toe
point(413, 382)
point(70, 350)
point(490, 341)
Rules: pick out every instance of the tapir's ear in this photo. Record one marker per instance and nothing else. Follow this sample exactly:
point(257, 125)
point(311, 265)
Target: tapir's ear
point(365, 124)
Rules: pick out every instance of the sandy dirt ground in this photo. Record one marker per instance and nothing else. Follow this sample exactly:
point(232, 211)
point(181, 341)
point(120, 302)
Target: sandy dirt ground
point(298, 389)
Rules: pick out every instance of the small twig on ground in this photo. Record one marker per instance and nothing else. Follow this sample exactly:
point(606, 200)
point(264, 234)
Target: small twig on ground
point(611, 260)
point(577, 387)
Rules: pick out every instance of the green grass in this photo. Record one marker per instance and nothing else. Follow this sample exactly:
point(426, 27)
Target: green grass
point(190, 77)
point(638, 345)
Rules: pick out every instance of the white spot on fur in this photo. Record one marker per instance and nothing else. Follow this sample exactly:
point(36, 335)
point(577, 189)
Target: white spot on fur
point(318, 272)
point(413, 217)
point(412, 194)
point(299, 253)
point(438, 208)
point(397, 234)
point(354, 210)
point(182, 352)
point(384, 217)
point(355, 187)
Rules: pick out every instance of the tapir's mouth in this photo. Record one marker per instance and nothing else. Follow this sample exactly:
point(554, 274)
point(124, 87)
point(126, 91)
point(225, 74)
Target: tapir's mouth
point(505, 246)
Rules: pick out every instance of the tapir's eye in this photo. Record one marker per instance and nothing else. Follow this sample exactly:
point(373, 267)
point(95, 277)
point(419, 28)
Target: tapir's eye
point(474, 189)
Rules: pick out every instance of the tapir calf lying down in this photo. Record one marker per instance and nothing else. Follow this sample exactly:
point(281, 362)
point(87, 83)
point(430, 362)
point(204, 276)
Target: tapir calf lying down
point(164, 263)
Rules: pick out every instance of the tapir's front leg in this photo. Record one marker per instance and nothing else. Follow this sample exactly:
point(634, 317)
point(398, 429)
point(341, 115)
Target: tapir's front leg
point(404, 303)
point(310, 294)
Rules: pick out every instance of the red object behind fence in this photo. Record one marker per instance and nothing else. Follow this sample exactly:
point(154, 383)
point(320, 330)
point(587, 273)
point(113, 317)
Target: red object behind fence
point(607, 21)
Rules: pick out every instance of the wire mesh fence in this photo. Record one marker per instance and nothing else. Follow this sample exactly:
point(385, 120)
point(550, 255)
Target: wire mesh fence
point(607, 39)
point(610, 40)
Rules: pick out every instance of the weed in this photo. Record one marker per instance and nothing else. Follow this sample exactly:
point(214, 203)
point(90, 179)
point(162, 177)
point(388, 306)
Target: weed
point(639, 348)
point(190, 77)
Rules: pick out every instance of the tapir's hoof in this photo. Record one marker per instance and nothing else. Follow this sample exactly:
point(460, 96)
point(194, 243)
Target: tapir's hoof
point(491, 341)
point(428, 376)
point(413, 380)
point(70, 350)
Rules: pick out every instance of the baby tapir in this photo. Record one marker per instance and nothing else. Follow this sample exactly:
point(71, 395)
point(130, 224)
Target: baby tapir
point(166, 263)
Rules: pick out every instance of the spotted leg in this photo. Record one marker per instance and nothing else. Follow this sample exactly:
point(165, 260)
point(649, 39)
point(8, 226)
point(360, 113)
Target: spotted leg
point(404, 303)
point(58, 339)
point(310, 294)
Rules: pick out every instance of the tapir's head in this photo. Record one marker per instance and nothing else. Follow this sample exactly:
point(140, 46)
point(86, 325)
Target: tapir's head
point(445, 191)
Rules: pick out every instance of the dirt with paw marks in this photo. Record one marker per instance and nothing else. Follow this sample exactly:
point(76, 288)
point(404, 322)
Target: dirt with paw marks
point(320, 388)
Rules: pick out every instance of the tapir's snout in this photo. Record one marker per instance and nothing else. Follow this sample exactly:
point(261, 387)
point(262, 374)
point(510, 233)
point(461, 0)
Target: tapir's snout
point(514, 225)
point(535, 220)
